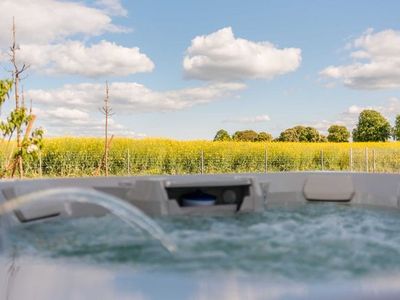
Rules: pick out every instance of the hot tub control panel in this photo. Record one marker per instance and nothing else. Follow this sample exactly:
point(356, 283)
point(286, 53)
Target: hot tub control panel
point(197, 196)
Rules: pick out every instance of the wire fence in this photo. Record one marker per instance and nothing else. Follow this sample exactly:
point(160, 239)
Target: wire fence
point(82, 163)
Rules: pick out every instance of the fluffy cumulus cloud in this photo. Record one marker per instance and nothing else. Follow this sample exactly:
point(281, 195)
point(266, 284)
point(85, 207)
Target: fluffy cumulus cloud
point(44, 21)
point(248, 120)
point(128, 97)
point(220, 56)
point(376, 62)
point(73, 57)
point(45, 29)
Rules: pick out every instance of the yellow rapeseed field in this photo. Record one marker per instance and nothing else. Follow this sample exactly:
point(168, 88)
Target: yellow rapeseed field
point(81, 156)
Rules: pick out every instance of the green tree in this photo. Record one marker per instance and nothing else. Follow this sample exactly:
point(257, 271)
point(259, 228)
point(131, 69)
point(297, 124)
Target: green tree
point(338, 134)
point(245, 136)
point(222, 135)
point(5, 88)
point(264, 137)
point(396, 129)
point(310, 134)
point(289, 135)
point(18, 121)
point(322, 138)
point(301, 134)
point(371, 127)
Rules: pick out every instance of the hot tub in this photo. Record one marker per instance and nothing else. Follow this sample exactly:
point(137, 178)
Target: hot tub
point(266, 236)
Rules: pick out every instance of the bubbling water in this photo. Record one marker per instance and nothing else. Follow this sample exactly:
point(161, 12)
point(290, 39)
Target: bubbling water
point(310, 242)
point(128, 213)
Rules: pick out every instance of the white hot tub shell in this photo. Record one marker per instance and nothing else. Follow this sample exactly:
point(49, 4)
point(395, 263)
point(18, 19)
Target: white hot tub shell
point(162, 195)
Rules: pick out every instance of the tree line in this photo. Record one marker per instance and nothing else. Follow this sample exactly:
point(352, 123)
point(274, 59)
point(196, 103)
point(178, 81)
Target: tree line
point(372, 126)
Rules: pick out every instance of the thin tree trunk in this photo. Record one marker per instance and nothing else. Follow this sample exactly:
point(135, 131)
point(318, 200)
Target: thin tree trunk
point(28, 130)
point(16, 73)
point(107, 111)
point(102, 161)
point(106, 132)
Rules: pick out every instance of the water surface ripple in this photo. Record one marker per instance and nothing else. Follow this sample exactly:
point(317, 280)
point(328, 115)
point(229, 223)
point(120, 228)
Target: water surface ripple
point(317, 241)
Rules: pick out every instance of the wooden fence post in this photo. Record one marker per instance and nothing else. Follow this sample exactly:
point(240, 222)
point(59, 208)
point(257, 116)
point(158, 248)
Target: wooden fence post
point(266, 160)
point(351, 159)
point(40, 164)
point(373, 161)
point(202, 161)
point(322, 160)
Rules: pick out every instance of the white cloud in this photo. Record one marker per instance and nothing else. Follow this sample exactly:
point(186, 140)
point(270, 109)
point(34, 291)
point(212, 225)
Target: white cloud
point(392, 107)
point(128, 97)
point(73, 57)
point(355, 110)
point(389, 109)
point(112, 7)
point(68, 114)
point(376, 62)
point(349, 117)
point(44, 21)
point(321, 126)
point(45, 27)
point(75, 122)
point(248, 120)
point(220, 56)
point(73, 109)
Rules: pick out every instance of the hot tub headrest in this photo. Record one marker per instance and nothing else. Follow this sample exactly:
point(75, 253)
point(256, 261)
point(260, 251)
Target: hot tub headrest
point(328, 188)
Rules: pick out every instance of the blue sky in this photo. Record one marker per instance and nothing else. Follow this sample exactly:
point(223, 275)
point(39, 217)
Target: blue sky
point(262, 65)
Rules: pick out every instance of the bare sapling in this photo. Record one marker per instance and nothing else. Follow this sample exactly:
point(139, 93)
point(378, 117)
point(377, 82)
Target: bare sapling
point(107, 112)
